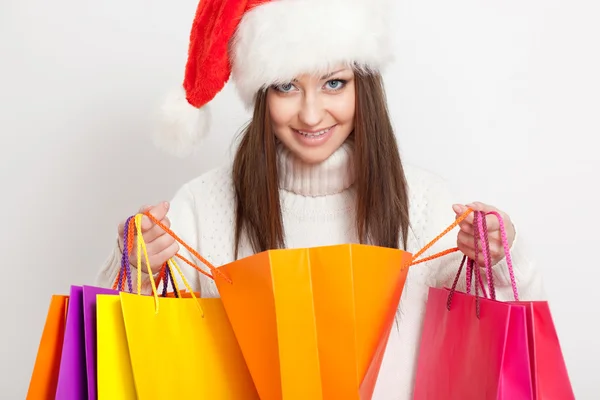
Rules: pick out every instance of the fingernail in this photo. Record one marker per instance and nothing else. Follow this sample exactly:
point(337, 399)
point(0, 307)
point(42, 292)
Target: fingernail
point(166, 205)
point(457, 208)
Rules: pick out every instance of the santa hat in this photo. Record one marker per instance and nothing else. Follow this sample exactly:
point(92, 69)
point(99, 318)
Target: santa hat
point(264, 42)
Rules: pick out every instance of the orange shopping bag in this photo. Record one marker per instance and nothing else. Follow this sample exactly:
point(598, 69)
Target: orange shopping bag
point(312, 323)
point(45, 371)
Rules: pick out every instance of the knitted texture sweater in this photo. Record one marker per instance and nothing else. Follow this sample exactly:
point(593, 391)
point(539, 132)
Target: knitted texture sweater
point(318, 208)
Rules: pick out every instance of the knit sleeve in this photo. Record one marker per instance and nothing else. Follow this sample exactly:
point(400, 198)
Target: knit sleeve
point(183, 218)
point(437, 215)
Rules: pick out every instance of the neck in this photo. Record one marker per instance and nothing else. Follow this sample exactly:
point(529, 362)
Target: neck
point(333, 175)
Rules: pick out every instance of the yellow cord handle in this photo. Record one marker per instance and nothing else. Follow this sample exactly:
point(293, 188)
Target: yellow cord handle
point(172, 265)
point(141, 247)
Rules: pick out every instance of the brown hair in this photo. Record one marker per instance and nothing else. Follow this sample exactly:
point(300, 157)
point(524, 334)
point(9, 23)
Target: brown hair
point(382, 198)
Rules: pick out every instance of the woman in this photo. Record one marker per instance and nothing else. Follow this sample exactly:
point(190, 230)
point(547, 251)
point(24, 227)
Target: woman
point(318, 163)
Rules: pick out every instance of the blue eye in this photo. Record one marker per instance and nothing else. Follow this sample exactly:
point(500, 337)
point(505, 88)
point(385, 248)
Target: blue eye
point(335, 84)
point(285, 88)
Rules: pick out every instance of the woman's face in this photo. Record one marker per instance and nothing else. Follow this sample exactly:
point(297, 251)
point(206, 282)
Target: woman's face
point(313, 115)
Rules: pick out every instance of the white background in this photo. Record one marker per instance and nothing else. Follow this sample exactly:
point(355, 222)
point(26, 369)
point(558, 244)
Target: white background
point(502, 98)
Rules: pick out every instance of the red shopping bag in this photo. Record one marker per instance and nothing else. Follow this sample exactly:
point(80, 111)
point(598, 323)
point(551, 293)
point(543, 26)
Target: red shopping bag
point(473, 347)
point(548, 369)
point(480, 348)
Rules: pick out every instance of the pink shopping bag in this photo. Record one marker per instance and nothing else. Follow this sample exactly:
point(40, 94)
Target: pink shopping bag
point(473, 347)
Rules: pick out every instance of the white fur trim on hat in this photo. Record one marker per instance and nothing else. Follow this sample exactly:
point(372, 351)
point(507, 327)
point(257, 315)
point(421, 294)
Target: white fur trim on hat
point(281, 39)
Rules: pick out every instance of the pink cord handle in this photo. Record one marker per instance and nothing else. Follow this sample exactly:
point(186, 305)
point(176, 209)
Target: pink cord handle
point(478, 216)
point(482, 232)
point(509, 263)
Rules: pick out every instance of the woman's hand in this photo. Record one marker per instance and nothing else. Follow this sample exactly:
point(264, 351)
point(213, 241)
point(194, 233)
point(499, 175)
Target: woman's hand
point(466, 241)
point(160, 245)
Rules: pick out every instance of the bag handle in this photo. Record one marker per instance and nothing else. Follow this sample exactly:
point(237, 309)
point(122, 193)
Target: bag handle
point(485, 249)
point(471, 267)
point(166, 277)
point(212, 268)
point(414, 260)
point(125, 270)
point(171, 264)
point(507, 256)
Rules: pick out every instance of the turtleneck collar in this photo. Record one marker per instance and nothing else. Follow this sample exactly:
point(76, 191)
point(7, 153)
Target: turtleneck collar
point(334, 175)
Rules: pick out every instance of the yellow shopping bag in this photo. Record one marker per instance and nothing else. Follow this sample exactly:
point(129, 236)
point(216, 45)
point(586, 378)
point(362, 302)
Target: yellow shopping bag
point(114, 374)
point(115, 377)
point(182, 347)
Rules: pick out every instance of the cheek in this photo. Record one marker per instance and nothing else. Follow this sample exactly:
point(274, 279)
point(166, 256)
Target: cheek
point(280, 111)
point(344, 108)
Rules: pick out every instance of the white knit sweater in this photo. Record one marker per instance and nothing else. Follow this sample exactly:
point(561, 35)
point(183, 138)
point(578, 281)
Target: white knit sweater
point(318, 209)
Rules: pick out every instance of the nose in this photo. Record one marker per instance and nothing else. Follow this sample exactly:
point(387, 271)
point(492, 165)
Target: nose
point(312, 111)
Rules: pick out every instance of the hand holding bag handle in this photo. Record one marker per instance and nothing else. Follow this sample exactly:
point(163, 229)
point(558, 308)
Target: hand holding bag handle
point(480, 234)
point(134, 224)
point(471, 266)
point(486, 252)
point(166, 274)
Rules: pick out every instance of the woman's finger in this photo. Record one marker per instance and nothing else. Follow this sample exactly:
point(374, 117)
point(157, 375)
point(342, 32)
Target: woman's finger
point(465, 241)
point(467, 228)
point(157, 260)
point(159, 212)
point(159, 244)
point(156, 231)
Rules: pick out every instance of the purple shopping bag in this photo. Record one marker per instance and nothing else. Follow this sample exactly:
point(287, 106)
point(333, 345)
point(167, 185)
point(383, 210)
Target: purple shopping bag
point(89, 321)
point(72, 380)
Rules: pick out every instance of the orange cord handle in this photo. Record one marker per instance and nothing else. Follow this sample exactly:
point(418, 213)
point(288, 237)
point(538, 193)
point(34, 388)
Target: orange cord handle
point(457, 221)
point(413, 261)
point(191, 250)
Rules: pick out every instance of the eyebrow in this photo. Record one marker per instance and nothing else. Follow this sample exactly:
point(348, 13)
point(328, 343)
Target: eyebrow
point(329, 75)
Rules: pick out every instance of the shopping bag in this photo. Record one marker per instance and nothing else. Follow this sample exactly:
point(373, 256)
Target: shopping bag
point(181, 347)
point(473, 347)
point(549, 373)
point(44, 378)
point(72, 379)
point(550, 376)
point(114, 374)
point(451, 334)
point(463, 356)
point(309, 321)
point(312, 323)
point(107, 358)
point(90, 318)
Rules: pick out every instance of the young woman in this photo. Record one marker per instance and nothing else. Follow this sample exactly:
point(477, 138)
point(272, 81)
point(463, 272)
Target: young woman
point(318, 163)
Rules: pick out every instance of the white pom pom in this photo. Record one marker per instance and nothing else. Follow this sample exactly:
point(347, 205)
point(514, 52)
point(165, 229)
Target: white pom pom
point(181, 126)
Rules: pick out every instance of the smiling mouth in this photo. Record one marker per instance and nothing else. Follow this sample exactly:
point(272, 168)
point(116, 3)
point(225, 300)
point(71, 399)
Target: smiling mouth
point(314, 134)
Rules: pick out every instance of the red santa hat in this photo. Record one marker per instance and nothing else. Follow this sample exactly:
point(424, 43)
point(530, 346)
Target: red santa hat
point(259, 43)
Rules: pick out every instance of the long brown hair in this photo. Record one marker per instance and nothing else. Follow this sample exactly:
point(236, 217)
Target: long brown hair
point(382, 195)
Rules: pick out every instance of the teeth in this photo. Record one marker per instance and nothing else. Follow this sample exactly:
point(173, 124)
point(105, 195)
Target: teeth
point(316, 134)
